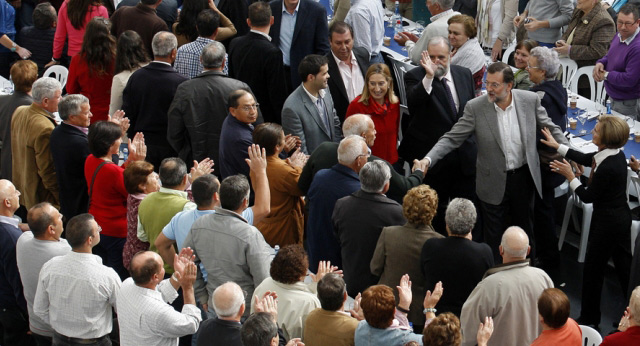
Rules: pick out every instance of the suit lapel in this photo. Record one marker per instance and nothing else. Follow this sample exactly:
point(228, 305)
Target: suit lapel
point(491, 117)
point(336, 77)
point(462, 100)
point(311, 108)
point(300, 19)
point(521, 113)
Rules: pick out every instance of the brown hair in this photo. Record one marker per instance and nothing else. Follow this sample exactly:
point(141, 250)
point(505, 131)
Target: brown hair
point(289, 265)
point(468, 23)
point(23, 74)
point(135, 174)
point(99, 46)
point(554, 307)
point(379, 305)
point(614, 132)
point(527, 44)
point(382, 69)
point(444, 330)
point(268, 136)
point(419, 205)
point(77, 11)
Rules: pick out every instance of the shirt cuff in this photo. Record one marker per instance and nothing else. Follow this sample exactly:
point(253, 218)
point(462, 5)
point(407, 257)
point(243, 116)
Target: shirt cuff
point(427, 84)
point(428, 160)
point(409, 44)
point(574, 184)
point(169, 294)
point(192, 310)
point(563, 149)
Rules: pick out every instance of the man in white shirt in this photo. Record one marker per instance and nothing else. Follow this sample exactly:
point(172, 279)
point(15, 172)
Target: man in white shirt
point(33, 250)
point(144, 316)
point(76, 292)
point(366, 17)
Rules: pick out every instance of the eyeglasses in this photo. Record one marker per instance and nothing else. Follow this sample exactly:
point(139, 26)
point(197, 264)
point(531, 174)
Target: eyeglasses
point(626, 23)
point(494, 85)
point(368, 154)
point(530, 67)
point(250, 107)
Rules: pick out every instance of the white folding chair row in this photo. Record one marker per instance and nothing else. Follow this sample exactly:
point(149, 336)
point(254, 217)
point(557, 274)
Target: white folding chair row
point(59, 72)
point(598, 92)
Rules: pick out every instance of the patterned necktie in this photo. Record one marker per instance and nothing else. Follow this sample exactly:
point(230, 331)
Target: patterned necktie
point(323, 113)
point(447, 90)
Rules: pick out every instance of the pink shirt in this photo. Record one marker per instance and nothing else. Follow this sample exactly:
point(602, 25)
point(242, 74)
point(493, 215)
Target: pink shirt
point(64, 29)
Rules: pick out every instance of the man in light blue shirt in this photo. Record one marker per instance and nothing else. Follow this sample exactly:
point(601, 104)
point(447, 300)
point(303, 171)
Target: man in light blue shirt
point(367, 19)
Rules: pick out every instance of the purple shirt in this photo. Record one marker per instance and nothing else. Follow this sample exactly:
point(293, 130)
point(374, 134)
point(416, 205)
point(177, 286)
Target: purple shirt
point(623, 64)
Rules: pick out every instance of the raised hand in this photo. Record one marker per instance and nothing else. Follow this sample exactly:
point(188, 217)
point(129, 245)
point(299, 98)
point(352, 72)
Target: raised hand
point(201, 168)
point(405, 294)
point(428, 65)
point(257, 160)
point(119, 118)
point(137, 148)
point(291, 142)
point(298, 159)
point(431, 299)
point(267, 304)
point(324, 268)
point(357, 312)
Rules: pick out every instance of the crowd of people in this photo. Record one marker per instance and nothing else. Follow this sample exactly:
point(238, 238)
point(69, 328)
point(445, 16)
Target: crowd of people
point(236, 172)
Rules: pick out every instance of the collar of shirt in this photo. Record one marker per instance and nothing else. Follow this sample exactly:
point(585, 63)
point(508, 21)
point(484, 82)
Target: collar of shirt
point(204, 40)
point(339, 62)
point(84, 130)
point(85, 256)
point(440, 15)
point(447, 75)
point(173, 192)
point(313, 98)
point(601, 155)
point(261, 33)
point(161, 62)
point(235, 120)
point(9, 220)
point(284, 9)
point(629, 39)
point(498, 109)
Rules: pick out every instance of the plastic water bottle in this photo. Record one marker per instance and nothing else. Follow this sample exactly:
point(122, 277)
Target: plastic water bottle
point(608, 106)
point(276, 248)
point(397, 19)
point(125, 154)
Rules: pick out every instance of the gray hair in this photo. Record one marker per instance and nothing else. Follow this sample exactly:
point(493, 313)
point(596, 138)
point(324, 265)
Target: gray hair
point(212, 55)
point(163, 44)
point(547, 60)
point(45, 88)
point(356, 124)
point(439, 40)
point(634, 304)
point(515, 242)
point(444, 4)
point(460, 216)
point(350, 148)
point(172, 172)
point(71, 105)
point(374, 175)
point(227, 299)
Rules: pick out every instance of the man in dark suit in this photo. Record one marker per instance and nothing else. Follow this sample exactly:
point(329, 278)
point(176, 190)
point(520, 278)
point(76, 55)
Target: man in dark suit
point(224, 328)
point(148, 95)
point(358, 220)
point(300, 28)
point(200, 106)
point(254, 60)
point(308, 112)
point(456, 260)
point(69, 149)
point(432, 115)
point(236, 11)
point(347, 67)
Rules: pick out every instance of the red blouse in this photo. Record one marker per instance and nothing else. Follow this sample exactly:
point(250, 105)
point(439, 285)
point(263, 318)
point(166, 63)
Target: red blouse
point(109, 197)
point(386, 118)
point(97, 88)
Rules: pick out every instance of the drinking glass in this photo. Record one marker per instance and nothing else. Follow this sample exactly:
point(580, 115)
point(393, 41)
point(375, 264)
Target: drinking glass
point(583, 119)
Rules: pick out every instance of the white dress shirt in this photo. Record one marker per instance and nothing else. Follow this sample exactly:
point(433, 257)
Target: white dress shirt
point(427, 84)
point(510, 136)
point(366, 17)
point(75, 295)
point(146, 319)
point(351, 76)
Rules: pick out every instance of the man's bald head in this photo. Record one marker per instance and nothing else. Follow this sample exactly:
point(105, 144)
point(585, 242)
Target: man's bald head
point(356, 124)
point(228, 299)
point(515, 243)
point(9, 197)
point(144, 265)
point(6, 188)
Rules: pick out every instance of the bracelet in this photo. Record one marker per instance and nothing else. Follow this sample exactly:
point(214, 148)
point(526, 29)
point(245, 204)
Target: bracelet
point(402, 309)
point(427, 310)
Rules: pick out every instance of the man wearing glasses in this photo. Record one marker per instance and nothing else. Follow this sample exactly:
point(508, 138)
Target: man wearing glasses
point(505, 123)
point(619, 69)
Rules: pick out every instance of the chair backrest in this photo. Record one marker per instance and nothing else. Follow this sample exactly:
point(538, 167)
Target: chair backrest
point(59, 72)
point(569, 68)
point(400, 68)
point(590, 336)
point(507, 53)
point(598, 92)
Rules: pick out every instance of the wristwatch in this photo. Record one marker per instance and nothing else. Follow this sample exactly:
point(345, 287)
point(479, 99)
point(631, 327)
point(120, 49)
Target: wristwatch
point(14, 46)
point(606, 74)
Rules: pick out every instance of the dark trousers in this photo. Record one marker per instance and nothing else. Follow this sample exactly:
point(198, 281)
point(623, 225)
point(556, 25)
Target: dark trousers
point(609, 237)
point(14, 327)
point(516, 209)
point(61, 340)
point(42, 340)
point(544, 226)
point(287, 79)
point(158, 152)
point(110, 250)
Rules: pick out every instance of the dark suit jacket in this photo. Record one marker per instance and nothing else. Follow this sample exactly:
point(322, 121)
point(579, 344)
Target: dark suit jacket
point(8, 105)
point(167, 10)
point(431, 117)
point(69, 149)
point(358, 221)
point(326, 156)
point(235, 139)
point(336, 84)
point(310, 35)
point(215, 331)
point(141, 19)
point(254, 60)
point(237, 11)
point(459, 263)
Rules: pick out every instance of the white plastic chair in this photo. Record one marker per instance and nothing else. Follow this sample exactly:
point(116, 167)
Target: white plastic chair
point(590, 336)
point(507, 52)
point(635, 224)
point(598, 92)
point(59, 72)
point(569, 68)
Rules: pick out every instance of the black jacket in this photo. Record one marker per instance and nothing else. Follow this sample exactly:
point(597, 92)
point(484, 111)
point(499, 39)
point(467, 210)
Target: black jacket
point(336, 84)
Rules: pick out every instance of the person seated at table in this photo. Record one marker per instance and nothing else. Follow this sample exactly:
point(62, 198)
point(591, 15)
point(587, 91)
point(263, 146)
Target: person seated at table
point(607, 190)
point(629, 325)
point(542, 67)
point(39, 38)
point(465, 49)
point(521, 59)
point(557, 328)
point(380, 102)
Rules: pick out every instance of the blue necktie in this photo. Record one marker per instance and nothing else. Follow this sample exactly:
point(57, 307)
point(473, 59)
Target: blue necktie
point(452, 104)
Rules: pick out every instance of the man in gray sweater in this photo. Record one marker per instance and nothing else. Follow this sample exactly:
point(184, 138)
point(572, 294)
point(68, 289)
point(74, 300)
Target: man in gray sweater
point(543, 20)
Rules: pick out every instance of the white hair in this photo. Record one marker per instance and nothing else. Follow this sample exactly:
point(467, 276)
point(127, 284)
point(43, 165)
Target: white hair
point(515, 242)
point(356, 124)
point(350, 148)
point(374, 175)
point(45, 88)
point(227, 299)
point(547, 60)
point(163, 43)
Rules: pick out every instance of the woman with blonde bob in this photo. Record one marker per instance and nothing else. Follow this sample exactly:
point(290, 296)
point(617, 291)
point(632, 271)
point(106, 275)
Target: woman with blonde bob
point(394, 256)
point(611, 221)
point(379, 101)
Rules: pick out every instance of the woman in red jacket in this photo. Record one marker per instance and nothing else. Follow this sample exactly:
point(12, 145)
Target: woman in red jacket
point(91, 71)
point(379, 101)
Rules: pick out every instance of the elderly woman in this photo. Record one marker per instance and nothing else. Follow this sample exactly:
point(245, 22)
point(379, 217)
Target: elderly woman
point(296, 299)
point(285, 223)
point(107, 193)
point(521, 59)
point(557, 328)
point(607, 190)
point(139, 180)
point(380, 102)
point(465, 49)
point(444, 330)
point(629, 325)
point(588, 35)
point(543, 67)
point(394, 256)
